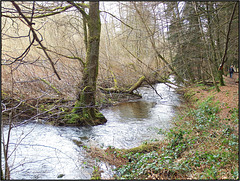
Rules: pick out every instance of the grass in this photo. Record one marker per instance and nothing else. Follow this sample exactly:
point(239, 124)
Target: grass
point(200, 146)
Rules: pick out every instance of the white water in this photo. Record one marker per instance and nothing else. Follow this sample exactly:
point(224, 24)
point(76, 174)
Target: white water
point(45, 152)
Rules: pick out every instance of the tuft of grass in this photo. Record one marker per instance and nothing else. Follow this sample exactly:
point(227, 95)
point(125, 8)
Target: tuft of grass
point(96, 175)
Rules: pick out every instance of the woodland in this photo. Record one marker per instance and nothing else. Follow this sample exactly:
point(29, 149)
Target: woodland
point(63, 61)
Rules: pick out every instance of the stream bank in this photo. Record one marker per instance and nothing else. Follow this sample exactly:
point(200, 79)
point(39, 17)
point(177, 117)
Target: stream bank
point(52, 110)
point(203, 144)
point(57, 110)
point(45, 151)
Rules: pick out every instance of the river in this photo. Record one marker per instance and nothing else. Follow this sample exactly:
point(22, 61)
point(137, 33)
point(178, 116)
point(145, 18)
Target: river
point(42, 151)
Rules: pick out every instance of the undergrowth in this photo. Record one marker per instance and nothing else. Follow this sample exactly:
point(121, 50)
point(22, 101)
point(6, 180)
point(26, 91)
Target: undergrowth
point(200, 146)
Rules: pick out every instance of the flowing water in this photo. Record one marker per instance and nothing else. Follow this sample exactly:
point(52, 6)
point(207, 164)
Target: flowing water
point(42, 151)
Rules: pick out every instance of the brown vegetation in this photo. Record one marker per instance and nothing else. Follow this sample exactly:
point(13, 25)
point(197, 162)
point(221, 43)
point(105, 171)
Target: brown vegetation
point(144, 43)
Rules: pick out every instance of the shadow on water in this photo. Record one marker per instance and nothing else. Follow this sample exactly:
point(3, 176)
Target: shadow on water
point(45, 152)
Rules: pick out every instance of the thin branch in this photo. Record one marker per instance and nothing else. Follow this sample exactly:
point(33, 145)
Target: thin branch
point(153, 88)
point(228, 33)
point(117, 19)
point(70, 57)
point(44, 15)
point(35, 37)
point(33, 8)
point(24, 54)
point(80, 9)
point(150, 33)
point(138, 59)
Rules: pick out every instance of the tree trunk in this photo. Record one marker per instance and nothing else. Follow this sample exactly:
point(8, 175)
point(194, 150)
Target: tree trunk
point(136, 85)
point(116, 89)
point(85, 108)
point(2, 178)
point(220, 70)
point(205, 44)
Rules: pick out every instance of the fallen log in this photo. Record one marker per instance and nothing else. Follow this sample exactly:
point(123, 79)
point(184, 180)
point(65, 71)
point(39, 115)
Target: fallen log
point(136, 85)
point(115, 89)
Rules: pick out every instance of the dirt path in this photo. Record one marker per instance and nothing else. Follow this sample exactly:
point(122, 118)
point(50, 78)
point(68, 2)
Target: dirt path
point(231, 81)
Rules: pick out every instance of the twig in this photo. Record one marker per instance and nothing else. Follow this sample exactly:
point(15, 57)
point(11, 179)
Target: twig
point(153, 88)
point(70, 57)
point(80, 9)
point(35, 37)
point(117, 19)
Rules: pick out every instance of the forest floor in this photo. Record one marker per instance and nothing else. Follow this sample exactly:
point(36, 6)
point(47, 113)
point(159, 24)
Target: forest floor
point(203, 143)
point(228, 95)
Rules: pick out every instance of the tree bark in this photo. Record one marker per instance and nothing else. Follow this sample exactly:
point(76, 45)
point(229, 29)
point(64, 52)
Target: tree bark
point(136, 85)
point(2, 178)
point(220, 69)
point(85, 105)
point(116, 89)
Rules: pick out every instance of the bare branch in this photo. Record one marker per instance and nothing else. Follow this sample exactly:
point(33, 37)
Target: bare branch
point(35, 36)
point(62, 9)
point(117, 19)
point(70, 57)
point(80, 9)
point(228, 33)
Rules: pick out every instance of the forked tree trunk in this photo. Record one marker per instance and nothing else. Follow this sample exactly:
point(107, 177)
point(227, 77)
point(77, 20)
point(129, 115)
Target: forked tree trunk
point(85, 104)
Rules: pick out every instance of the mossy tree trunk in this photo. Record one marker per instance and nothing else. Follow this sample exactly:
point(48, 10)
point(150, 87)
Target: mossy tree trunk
point(85, 105)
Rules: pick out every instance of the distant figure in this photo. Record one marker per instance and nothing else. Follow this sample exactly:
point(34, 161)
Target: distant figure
point(231, 70)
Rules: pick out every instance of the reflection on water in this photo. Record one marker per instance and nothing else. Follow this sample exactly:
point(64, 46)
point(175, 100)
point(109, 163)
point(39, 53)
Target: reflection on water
point(133, 110)
point(45, 152)
point(131, 123)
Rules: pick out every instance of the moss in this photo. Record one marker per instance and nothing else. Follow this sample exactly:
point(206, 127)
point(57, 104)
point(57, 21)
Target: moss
point(74, 116)
point(83, 116)
point(96, 38)
point(188, 95)
point(77, 119)
point(46, 108)
point(76, 107)
point(60, 175)
point(99, 115)
point(143, 148)
point(52, 86)
point(137, 84)
point(72, 119)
